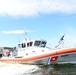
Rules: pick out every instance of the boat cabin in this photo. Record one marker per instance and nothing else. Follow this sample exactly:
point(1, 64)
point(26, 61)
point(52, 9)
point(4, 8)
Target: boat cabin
point(37, 43)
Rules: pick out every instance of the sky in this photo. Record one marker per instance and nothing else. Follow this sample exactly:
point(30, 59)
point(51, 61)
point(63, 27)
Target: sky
point(41, 19)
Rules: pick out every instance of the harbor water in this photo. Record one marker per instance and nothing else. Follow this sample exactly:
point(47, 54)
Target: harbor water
point(22, 69)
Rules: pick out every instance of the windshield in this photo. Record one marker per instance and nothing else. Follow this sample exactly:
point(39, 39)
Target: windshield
point(43, 44)
point(40, 43)
point(37, 43)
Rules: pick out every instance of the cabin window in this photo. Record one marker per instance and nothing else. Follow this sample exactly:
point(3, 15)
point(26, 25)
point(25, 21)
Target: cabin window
point(37, 43)
point(43, 44)
point(40, 43)
point(19, 45)
point(29, 44)
point(23, 45)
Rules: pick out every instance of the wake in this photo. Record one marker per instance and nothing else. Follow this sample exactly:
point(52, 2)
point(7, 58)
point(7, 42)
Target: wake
point(17, 69)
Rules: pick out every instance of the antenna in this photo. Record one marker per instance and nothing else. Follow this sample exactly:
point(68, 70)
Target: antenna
point(25, 35)
point(60, 41)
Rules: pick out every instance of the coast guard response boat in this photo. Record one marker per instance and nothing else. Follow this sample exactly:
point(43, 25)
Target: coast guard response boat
point(35, 52)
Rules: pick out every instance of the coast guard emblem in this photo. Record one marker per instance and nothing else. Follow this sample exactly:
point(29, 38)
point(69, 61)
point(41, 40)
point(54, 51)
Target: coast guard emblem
point(54, 58)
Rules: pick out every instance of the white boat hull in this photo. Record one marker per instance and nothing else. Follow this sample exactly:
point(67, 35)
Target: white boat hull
point(54, 56)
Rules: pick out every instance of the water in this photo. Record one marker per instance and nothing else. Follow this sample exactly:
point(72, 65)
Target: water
point(21, 69)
